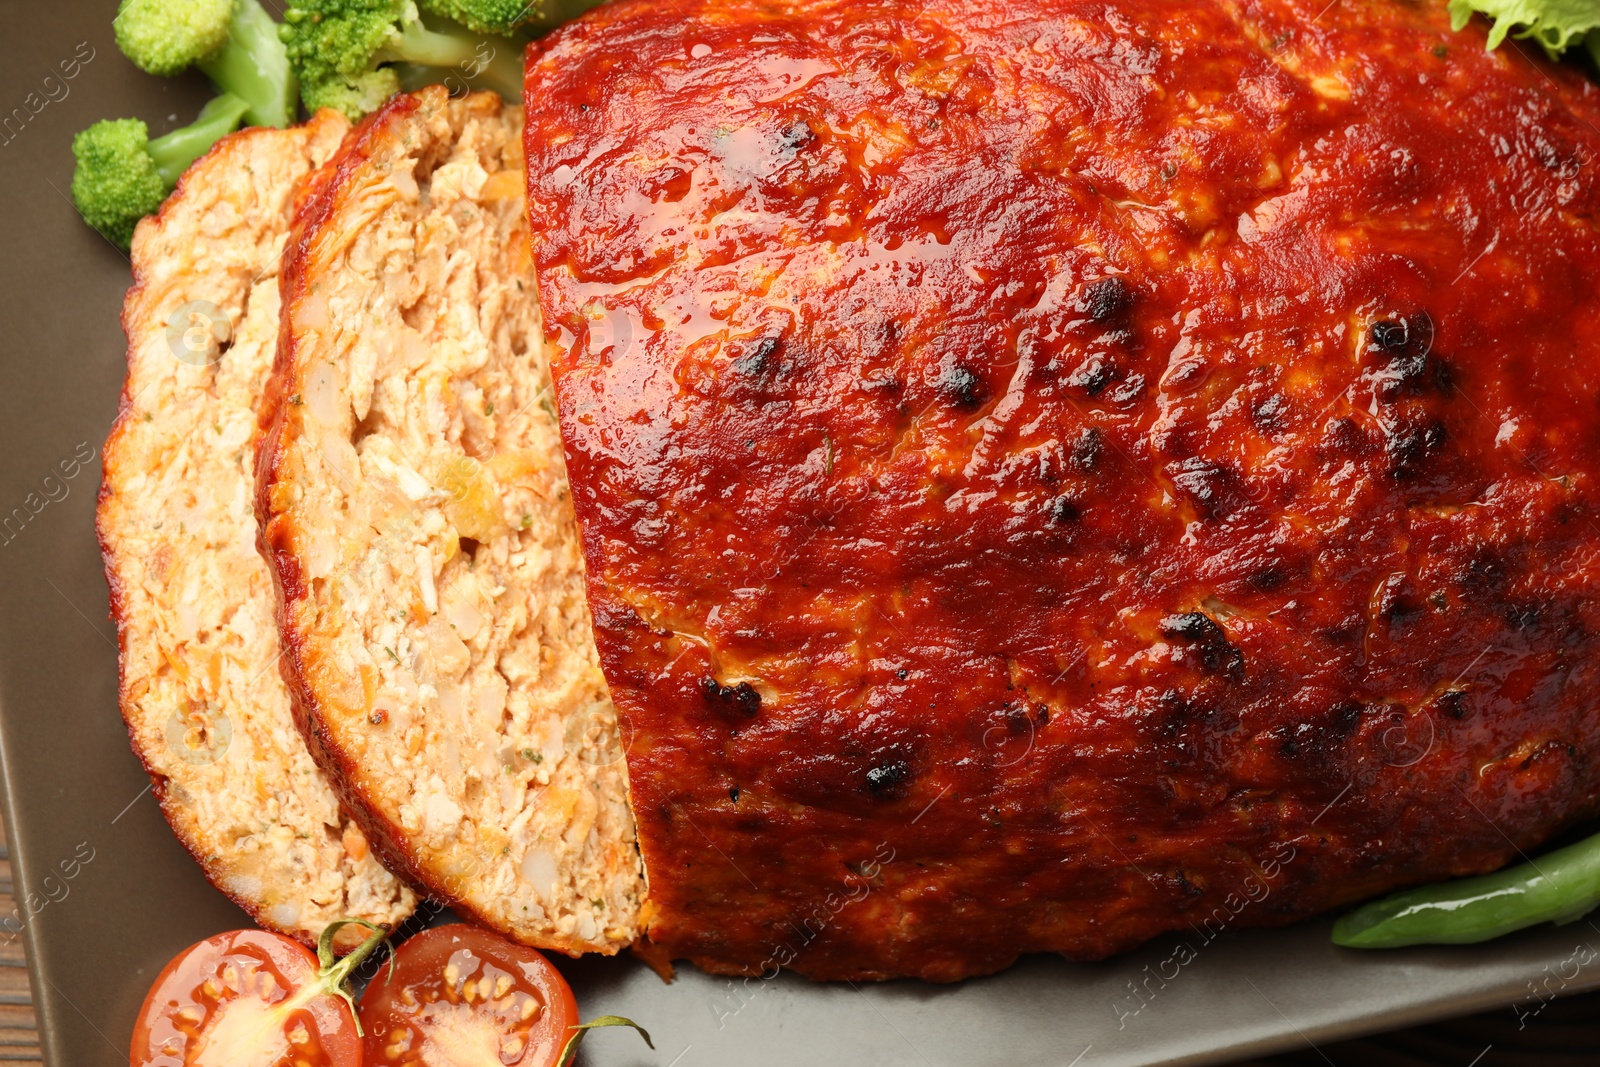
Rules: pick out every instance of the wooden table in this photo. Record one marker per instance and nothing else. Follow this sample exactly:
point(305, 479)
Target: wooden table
point(19, 1031)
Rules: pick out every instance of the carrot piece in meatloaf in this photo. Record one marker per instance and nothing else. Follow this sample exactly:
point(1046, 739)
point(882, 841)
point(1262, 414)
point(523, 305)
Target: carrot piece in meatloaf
point(416, 512)
point(206, 706)
point(1060, 471)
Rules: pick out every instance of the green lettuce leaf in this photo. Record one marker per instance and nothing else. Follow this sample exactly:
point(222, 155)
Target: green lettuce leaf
point(1556, 24)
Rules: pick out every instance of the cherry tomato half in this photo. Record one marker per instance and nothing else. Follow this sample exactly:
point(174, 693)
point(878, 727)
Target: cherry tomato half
point(245, 998)
point(458, 994)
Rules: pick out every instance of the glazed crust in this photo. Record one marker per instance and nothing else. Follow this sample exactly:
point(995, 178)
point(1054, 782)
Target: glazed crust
point(1057, 473)
point(199, 689)
point(408, 426)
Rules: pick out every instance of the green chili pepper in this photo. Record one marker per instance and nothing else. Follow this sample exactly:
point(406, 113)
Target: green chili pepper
point(1560, 887)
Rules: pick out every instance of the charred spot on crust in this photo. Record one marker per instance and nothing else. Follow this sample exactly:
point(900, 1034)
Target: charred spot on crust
point(1270, 577)
point(1344, 717)
point(1218, 655)
point(741, 697)
point(1268, 414)
point(1017, 718)
point(1552, 748)
point(1343, 438)
point(1346, 630)
point(1094, 376)
point(612, 615)
point(1175, 713)
point(733, 794)
point(1486, 569)
point(886, 778)
point(1410, 447)
point(1406, 335)
point(1107, 300)
point(1087, 448)
point(1452, 702)
point(961, 385)
point(1064, 511)
point(758, 357)
point(1186, 732)
point(1405, 345)
point(1181, 882)
point(1521, 616)
point(1214, 489)
point(1444, 379)
point(1320, 739)
point(1397, 603)
point(797, 135)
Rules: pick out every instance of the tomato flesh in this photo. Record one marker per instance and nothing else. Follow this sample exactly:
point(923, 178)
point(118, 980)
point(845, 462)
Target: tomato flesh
point(459, 995)
point(245, 998)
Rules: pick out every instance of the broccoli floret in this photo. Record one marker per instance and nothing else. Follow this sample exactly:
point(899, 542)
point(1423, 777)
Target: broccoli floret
point(506, 17)
point(122, 175)
point(503, 17)
point(235, 42)
point(357, 96)
point(338, 48)
point(167, 37)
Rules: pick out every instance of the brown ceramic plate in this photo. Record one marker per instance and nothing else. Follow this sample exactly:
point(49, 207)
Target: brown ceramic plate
point(110, 896)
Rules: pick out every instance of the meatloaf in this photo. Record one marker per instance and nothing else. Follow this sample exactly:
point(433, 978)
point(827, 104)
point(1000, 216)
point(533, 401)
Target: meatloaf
point(1061, 471)
point(415, 511)
point(205, 702)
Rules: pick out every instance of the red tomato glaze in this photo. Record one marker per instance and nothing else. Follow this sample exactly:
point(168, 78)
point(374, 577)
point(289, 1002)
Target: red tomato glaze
point(1060, 471)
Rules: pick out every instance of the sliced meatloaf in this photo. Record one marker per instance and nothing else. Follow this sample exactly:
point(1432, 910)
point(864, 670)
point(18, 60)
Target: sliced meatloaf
point(205, 703)
point(415, 510)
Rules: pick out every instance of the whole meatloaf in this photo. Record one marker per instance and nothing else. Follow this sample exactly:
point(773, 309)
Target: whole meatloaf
point(1061, 471)
point(206, 706)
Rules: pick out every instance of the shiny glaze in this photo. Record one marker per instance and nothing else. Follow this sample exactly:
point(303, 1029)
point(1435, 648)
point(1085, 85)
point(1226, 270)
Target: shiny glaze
point(1062, 471)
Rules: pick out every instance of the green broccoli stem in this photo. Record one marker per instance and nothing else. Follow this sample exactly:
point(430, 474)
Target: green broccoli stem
point(173, 152)
point(253, 65)
point(491, 62)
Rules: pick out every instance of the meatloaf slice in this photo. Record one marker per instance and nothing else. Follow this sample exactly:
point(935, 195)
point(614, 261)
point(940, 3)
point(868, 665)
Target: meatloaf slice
point(1060, 471)
point(415, 507)
point(205, 703)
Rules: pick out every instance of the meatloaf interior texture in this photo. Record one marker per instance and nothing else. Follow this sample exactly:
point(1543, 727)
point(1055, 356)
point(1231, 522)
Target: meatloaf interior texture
point(1053, 471)
point(206, 706)
point(416, 513)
